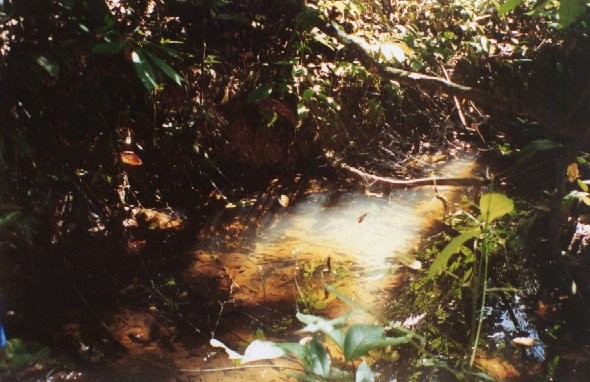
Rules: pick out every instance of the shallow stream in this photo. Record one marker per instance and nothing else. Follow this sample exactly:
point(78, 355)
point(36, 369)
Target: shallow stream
point(356, 242)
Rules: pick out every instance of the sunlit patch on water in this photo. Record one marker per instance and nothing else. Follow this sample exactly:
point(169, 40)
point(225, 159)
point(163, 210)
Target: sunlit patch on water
point(353, 241)
point(321, 226)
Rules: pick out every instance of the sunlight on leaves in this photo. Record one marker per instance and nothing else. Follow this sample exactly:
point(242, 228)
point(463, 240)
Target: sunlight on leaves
point(143, 69)
point(441, 262)
point(329, 327)
point(494, 205)
point(392, 51)
point(361, 338)
point(508, 6)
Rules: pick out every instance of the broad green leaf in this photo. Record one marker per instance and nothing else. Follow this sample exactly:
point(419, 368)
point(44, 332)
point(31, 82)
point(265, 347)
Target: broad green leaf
point(317, 359)
point(328, 327)
point(361, 338)
point(364, 373)
point(143, 69)
point(296, 349)
point(494, 205)
point(165, 68)
point(508, 6)
point(107, 48)
point(583, 186)
point(307, 19)
point(259, 350)
point(570, 10)
point(260, 93)
point(441, 262)
point(173, 53)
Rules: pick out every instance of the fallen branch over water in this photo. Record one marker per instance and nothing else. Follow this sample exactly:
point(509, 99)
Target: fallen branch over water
point(406, 183)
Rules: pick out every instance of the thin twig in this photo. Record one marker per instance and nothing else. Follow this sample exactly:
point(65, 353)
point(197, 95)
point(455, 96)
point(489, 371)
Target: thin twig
point(456, 100)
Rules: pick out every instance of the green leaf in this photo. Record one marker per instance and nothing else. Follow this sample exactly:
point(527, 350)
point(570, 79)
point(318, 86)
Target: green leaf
point(260, 93)
point(508, 6)
point(328, 327)
point(570, 10)
point(583, 186)
point(144, 70)
point(307, 19)
point(494, 205)
point(307, 94)
point(173, 53)
point(296, 349)
point(107, 48)
point(361, 338)
point(364, 373)
point(165, 68)
point(317, 359)
point(441, 262)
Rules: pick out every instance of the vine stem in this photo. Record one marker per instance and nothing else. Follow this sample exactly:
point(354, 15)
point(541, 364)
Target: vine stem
point(483, 297)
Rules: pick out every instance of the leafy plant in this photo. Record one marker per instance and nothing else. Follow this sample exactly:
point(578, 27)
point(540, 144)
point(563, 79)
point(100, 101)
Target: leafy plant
point(353, 342)
point(486, 238)
point(146, 60)
point(568, 11)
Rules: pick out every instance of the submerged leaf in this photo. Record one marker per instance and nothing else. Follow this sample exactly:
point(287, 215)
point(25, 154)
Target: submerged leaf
point(524, 341)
